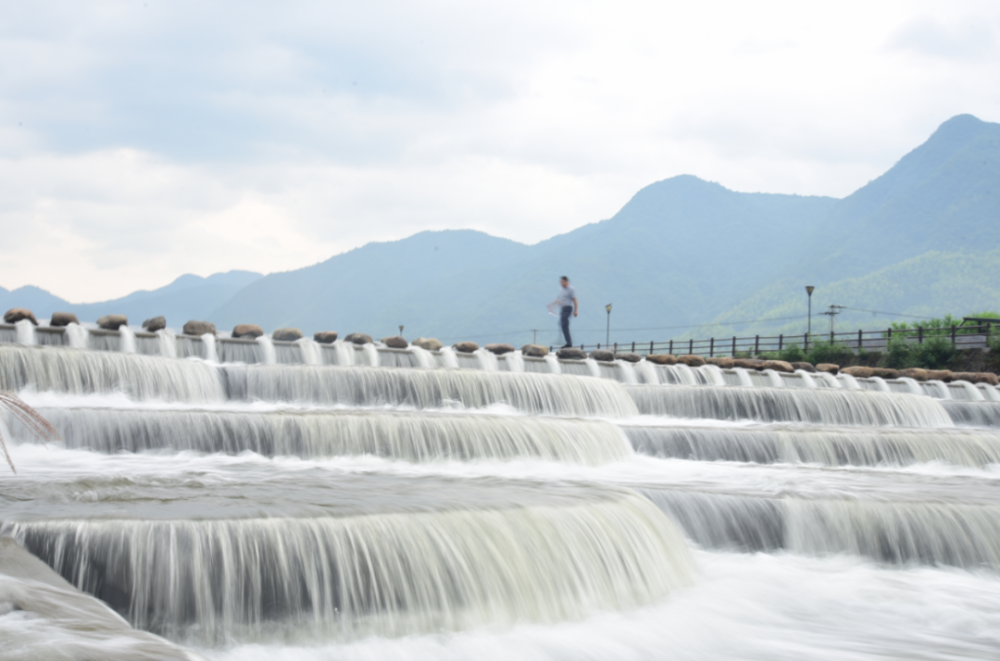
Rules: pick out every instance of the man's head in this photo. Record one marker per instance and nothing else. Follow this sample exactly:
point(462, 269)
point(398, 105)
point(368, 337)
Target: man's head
point(564, 281)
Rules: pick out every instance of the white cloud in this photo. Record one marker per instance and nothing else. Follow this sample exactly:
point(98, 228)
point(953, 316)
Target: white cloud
point(141, 140)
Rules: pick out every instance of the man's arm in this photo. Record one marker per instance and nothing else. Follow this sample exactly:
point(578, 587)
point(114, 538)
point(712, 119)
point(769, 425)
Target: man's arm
point(576, 308)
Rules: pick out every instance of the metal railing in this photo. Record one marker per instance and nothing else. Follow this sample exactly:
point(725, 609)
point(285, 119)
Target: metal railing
point(961, 337)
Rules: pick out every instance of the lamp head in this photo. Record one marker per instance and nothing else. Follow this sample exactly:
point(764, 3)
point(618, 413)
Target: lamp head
point(401, 329)
point(809, 289)
point(608, 308)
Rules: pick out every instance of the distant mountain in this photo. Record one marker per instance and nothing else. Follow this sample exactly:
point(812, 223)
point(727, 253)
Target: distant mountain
point(187, 297)
point(944, 196)
point(921, 239)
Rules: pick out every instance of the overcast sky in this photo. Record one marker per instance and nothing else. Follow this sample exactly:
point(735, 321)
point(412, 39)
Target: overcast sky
point(143, 139)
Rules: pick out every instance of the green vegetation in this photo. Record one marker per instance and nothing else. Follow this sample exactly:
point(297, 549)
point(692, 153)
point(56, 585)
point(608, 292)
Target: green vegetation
point(820, 352)
point(942, 326)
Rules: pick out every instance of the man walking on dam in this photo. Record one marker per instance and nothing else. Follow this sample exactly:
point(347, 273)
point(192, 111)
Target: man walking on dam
point(566, 302)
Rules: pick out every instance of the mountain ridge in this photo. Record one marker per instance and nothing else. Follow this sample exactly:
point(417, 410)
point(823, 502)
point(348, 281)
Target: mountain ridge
point(680, 252)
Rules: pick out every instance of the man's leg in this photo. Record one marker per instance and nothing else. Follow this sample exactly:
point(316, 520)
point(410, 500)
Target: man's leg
point(564, 319)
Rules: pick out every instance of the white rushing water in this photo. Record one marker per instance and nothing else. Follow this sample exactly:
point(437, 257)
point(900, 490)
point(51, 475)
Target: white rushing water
point(511, 508)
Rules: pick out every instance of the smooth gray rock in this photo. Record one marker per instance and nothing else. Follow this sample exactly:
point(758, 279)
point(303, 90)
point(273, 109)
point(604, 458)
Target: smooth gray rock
point(571, 353)
point(499, 349)
point(602, 355)
point(60, 319)
point(535, 350)
point(325, 337)
point(14, 315)
point(466, 347)
point(247, 331)
point(154, 324)
point(198, 328)
point(691, 360)
point(629, 357)
point(112, 321)
point(395, 342)
point(359, 338)
point(428, 343)
point(286, 335)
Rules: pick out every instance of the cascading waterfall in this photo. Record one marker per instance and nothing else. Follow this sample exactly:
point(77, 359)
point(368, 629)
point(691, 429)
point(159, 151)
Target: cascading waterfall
point(405, 436)
point(268, 355)
point(82, 372)
point(448, 358)
point(973, 414)
point(627, 372)
point(807, 379)
point(890, 532)
point(311, 502)
point(78, 336)
point(208, 342)
point(712, 375)
point(168, 343)
point(311, 353)
point(240, 350)
point(828, 380)
point(384, 574)
point(422, 389)
point(487, 360)
point(848, 382)
point(344, 352)
point(421, 357)
point(25, 332)
point(127, 340)
point(828, 446)
point(370, 352)
point(828, 407)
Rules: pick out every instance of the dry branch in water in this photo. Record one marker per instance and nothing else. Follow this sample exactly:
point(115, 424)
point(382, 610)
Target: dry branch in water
point(27, 416)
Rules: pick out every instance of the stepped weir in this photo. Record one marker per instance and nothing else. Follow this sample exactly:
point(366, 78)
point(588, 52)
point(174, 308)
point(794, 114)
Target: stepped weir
point(223, 497)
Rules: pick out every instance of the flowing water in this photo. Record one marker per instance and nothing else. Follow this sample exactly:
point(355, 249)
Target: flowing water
point(295, 501)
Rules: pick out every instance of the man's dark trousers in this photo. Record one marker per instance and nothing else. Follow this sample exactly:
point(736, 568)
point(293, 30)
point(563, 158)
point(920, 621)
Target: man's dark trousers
point(564, 322)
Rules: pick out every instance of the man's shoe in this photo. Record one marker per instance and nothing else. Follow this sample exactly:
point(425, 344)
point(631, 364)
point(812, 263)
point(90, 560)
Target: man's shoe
point(566, 346)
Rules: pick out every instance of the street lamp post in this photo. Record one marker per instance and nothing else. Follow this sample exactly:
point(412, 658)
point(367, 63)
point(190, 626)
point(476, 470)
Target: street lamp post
point(401, 330)
point(809, 290)
point(607, 333)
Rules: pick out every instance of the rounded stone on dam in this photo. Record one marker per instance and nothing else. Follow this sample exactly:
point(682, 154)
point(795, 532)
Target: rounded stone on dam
point(915, 373)
point(60, 319)
point(941, 375)
point(466, 347)
point(286, 334)
point(829, 368)
point(691, 360)
point(778, 366)
point(325, 337)
point(570, 353)
point(499, 349)
point(535, 350)
point(154, 324)
point(112, 321)
point(14, 315)
point(428, 343)
point(662, 358)
point(805, 367)
point(198, 328)
point(859, 372)
point(885, 373)
point(721, 362)
point(359, 338)
point(629, 357)
point(748, 363)
point(247, 331)
point(395, 342)
point(602, 355)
